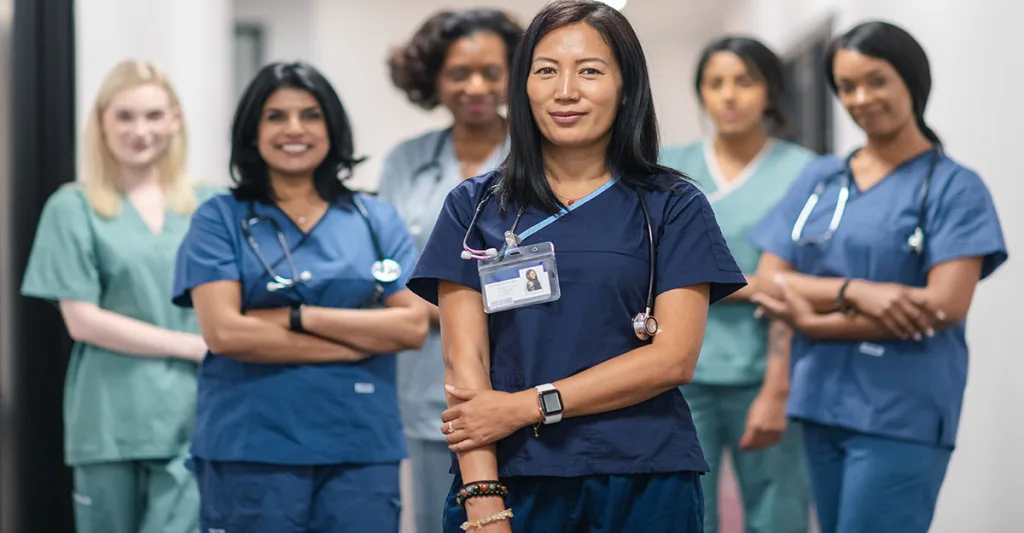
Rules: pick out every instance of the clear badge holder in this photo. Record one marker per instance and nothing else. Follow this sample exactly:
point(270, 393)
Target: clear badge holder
point(521, 276)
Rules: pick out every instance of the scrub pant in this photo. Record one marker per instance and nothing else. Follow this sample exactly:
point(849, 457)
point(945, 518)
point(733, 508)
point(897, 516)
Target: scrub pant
point(431, 479)
point(773, 482)
point(648, 503)
point(153, 496)
point(262, 498)
point(867, 484)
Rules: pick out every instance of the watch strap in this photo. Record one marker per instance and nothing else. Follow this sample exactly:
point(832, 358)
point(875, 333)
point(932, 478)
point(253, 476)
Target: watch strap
point(295, 319)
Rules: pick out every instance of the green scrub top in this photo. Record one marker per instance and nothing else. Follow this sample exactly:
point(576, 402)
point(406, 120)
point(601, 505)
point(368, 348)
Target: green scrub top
point(117, 407)
point(735, 343)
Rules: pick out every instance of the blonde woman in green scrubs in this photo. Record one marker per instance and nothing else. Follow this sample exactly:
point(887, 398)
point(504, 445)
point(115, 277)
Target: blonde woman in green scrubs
point(104, 253)
point(739, 391)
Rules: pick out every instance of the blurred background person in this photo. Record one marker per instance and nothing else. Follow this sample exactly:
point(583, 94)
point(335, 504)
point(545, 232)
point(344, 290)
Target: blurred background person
point(104, 252)
point(877, 256)
point(738, 394)
point(458, 60)
point(299, 287)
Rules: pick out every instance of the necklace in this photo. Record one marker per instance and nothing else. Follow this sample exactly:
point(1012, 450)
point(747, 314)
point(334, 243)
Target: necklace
point(569, 201)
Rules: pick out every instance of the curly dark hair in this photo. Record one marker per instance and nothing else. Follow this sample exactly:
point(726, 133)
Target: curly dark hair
point(414, 66)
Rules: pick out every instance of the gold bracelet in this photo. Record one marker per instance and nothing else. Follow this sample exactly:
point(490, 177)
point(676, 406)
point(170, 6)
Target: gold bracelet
point(504, 515)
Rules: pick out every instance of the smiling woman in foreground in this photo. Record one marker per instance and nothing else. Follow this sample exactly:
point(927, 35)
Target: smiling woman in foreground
point(564, 415)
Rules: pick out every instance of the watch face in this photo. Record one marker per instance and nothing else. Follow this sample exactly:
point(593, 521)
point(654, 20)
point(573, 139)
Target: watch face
point(551, 401)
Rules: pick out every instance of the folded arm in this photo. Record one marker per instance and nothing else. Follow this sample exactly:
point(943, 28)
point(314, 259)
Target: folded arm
point(91, 324)
point(945, 292)
point(401, 325)
point(254, 340)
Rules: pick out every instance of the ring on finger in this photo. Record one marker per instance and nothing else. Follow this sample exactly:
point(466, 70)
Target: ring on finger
point(451, 428)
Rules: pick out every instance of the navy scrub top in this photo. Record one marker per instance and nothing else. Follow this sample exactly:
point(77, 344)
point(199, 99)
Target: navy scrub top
point(602, 258)
point(334, 413)
point(903, 389)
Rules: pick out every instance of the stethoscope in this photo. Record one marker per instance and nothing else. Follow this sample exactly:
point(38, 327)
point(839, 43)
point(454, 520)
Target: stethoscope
point(384, 269)
point(433, 166)
point(916, 239)
point(644, 324)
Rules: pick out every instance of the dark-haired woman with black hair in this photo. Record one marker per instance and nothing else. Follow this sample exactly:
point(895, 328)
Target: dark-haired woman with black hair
point(297, 283)
point(565, 412)
point(877, 258)
point(738, 394)
point(458, 60)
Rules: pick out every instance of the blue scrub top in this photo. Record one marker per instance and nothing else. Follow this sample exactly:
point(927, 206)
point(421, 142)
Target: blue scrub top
point(602, 260)
point(295, 414)
point(910, 390)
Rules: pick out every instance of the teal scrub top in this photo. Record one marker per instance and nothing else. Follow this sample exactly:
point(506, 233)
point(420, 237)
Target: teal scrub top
point(735, 343)
point(416, 178)
point(117, 407)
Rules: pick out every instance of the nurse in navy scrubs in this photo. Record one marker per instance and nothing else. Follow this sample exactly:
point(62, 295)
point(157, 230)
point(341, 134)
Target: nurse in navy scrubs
point(877, 276)
point(297, 283)
point(563, 416)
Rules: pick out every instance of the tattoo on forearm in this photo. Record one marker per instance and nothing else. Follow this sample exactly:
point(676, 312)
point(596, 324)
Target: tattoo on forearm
point(779, 337)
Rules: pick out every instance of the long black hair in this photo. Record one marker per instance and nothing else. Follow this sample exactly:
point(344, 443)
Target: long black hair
point(761, 62)
point(894, 45)
point(633, 152)
point(249, 170)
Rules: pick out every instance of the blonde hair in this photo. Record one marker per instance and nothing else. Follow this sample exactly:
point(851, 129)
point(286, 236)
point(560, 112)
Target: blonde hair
point(100, 166)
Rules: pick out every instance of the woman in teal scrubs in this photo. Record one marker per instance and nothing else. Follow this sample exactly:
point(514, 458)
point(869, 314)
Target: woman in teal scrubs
point(458, 60)
point(299, 286)
point(739, 390)
point(878, 255)
point(104, 252)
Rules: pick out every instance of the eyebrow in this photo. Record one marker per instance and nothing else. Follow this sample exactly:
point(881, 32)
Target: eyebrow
point(578, 61)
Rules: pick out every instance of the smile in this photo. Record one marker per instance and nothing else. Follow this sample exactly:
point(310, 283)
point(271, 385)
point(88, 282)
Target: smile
point(566, 118)
point(294, 148)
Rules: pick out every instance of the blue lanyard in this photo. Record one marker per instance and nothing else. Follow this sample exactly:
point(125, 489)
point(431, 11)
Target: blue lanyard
point(565, 210)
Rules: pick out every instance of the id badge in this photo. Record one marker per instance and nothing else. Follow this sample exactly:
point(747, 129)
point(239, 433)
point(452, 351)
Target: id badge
point(524, 275)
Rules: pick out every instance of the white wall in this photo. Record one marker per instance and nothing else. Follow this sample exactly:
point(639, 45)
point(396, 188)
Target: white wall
point(190, 40)
point(974, 52)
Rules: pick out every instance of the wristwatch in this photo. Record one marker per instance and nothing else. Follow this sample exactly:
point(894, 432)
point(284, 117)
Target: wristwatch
point(550, 401)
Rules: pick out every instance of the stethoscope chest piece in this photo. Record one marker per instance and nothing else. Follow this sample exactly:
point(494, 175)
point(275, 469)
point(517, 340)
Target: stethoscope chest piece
point(386, 270)
point(645, 326)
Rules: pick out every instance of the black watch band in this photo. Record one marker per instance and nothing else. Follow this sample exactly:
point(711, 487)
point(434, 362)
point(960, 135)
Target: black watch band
point(842, 305)
point(295, 319)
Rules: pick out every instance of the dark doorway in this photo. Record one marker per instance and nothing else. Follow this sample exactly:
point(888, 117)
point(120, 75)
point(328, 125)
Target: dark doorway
point(809, 100)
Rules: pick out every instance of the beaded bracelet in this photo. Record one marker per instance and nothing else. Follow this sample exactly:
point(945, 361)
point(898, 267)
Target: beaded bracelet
point(504, 515)
point(480, 488)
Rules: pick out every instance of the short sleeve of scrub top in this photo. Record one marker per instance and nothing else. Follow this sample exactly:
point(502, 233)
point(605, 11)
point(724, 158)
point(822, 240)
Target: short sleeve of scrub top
point(964, 223)
point(774, 233)
point(207, 254)
point(692, 250)
point(63, 263)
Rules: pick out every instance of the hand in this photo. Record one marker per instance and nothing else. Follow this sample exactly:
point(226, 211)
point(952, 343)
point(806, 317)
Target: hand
point(192, 349)
point(486, 416)
point(791, 307)
point(903, 312)
point(766, 421)
point(479, 508)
